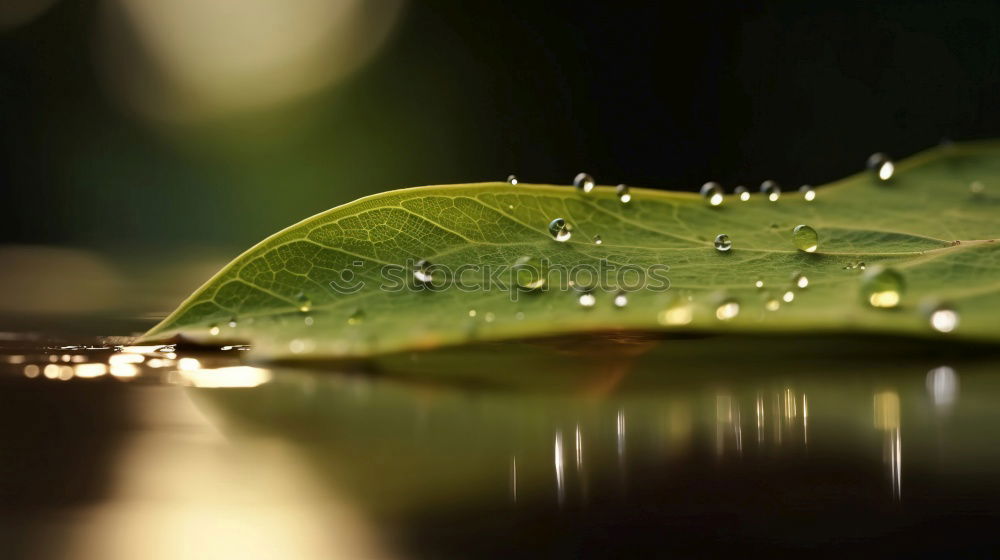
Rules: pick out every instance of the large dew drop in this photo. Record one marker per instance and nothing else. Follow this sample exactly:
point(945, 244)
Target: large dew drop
point(805, 238)
point(723, 243)
point(742, 193)
point(512, 179)
point(882, 166)
point(771, 190)
point(624, 196)
point(712, 193)
point(560, 230)
point(529, 273)
point(882, 287)
point(583, 182)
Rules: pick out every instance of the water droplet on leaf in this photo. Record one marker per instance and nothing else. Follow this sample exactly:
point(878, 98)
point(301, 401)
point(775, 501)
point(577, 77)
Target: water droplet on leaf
point(742, 193)
point(587, 299)
point(882, 166)
point(357, 317)
point(583, 182)
point(623, 193)
point(759, 284)
point(712, 193)
point(305, 304)
point(723, 243)
point(214, 330)
point(728, 309)
point(621, 299)
point(882, 287)
point(800, 280)
point(559, 230)
point(598, 240)
point(943, 318)
point(512, 179)
point(808, 193)
point(805, 238)
point(529, 274)
point(788, 296)
point(422, 272)
point(771, 190)
point(678, 313)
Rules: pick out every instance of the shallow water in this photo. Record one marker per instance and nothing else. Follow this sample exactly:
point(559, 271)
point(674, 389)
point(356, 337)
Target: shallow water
point(565, 448)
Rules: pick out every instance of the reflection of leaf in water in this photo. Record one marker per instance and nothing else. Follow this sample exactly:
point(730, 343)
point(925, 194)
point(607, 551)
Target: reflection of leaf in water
point(434, 434)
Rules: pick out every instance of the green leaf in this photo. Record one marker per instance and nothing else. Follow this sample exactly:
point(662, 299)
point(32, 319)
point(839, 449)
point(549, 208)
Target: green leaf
point(935, 222)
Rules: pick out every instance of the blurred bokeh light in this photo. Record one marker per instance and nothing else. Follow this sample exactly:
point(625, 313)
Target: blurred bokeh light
point(193, 59)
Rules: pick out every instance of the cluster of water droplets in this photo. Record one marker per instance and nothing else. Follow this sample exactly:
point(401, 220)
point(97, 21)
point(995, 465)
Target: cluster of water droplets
point(881, 287)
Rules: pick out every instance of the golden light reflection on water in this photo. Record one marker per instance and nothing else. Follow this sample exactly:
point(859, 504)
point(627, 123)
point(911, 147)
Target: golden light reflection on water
point(181, 489)
point(90, 370)
point(887, 420)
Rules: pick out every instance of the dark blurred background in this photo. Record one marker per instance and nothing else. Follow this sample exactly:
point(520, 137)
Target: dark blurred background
point(164, 130)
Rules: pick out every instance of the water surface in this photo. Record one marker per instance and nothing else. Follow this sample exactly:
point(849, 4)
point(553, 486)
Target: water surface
point(563, 448)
